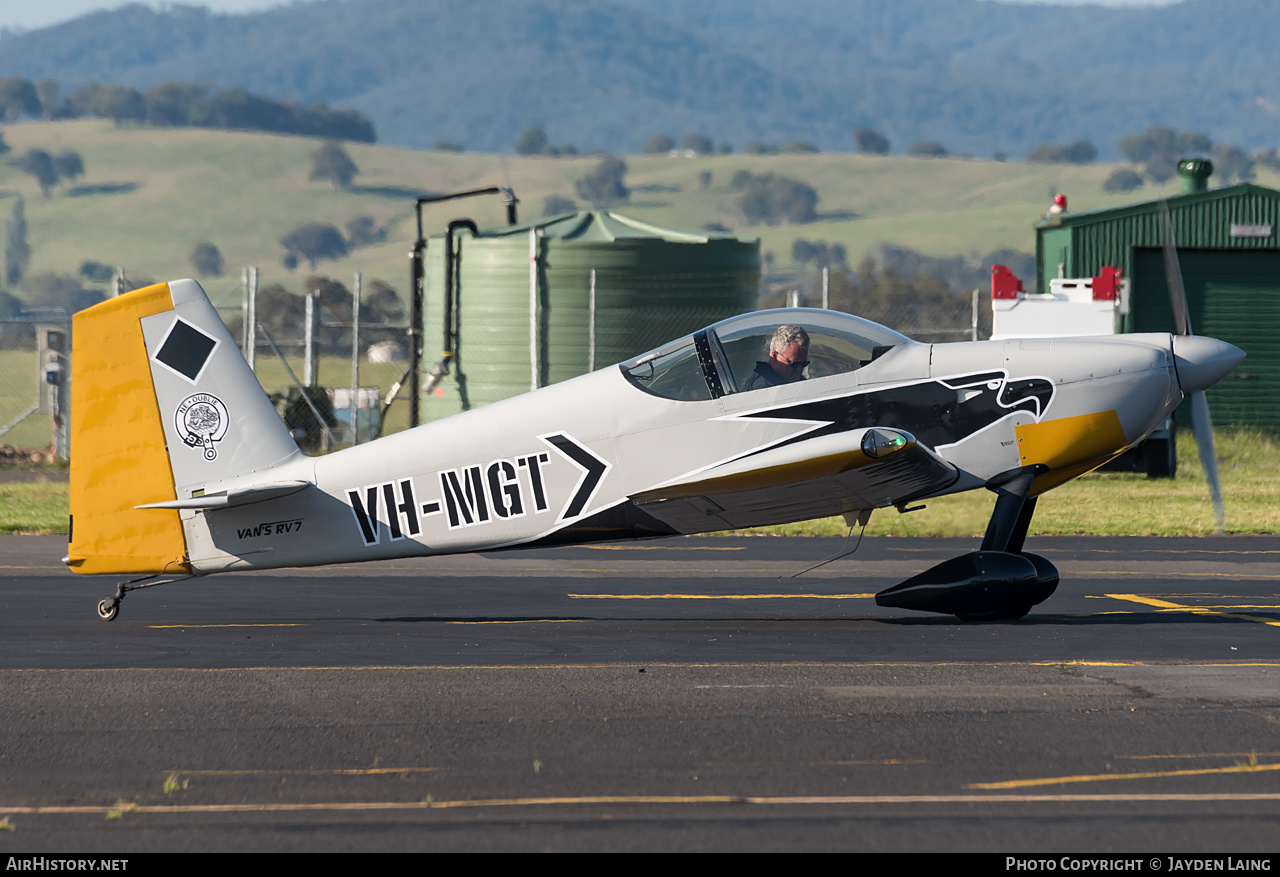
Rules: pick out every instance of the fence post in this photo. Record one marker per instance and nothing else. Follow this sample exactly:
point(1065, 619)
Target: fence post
point(974, 332)
point(308, 342)
point(251, 333)
point(355, 359)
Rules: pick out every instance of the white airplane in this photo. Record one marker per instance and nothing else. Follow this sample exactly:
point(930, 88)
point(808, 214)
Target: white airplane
point(182, 468)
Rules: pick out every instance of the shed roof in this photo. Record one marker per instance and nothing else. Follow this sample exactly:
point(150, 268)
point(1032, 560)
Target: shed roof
point(1191, 199)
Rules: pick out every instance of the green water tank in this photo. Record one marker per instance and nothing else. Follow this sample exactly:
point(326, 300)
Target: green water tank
point(529, 315)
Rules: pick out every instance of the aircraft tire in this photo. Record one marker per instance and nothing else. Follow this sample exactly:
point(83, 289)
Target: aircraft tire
point(108, 609)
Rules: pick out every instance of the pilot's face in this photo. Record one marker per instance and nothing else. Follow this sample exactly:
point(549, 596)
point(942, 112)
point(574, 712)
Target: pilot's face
point(790, 363)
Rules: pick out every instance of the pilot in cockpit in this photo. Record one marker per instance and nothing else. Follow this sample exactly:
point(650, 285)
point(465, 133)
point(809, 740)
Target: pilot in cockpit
point(788, 358)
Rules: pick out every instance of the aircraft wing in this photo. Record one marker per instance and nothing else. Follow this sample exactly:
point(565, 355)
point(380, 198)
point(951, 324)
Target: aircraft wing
point(829, 475)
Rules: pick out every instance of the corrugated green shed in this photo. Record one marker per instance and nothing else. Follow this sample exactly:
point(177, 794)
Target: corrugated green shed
point(1229, 255)
point(519, 330)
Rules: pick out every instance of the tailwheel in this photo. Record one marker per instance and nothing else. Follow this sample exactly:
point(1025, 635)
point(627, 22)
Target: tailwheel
point(108, 608)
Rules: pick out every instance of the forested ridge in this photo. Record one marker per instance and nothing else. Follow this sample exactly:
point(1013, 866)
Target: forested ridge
point(978, 77)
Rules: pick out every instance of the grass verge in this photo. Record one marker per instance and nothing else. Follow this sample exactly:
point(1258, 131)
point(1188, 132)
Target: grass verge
point(1101, 503)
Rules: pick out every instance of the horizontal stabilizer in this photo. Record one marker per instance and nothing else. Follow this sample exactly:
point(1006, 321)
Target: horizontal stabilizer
point(230, 498)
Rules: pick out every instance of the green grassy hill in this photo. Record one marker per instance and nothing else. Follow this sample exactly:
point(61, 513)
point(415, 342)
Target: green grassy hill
point(149, 196)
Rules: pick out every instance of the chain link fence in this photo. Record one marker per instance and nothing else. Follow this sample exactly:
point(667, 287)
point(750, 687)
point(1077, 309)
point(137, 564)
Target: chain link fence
point(33, 356)
point(331, 384)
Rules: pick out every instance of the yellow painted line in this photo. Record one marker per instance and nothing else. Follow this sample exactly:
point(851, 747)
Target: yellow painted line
point(1124, 551)
point(195, 626)
point(529, 621)
point(662, 548)
point(720, 596)
point(1185, 575)
point(878, 761)
point(1102, 777)
point(631, 665)
point(368, 771)
point(1204, 755)
point(125, 809)
point(1165, 604)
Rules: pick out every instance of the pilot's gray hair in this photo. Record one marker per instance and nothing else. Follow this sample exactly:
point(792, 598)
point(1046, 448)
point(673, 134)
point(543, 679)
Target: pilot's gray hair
point(786, 335)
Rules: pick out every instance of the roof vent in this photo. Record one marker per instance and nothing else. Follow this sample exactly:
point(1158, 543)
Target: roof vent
point(1195, 173)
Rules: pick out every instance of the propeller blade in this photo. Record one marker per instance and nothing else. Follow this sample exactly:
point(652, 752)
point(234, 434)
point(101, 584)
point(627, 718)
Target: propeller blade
point(1173, 275)
point(1202, 427)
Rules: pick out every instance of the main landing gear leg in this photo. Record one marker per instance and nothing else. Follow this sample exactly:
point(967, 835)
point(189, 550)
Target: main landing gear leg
point(1000, 580)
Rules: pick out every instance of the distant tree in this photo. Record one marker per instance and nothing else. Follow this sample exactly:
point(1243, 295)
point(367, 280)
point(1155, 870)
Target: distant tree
point(68, 165)
point(999, 156)
point(364, 230)
point(331, 162)
point(48, 92)
point(17, 253)
point(175, 104)
point(448, 146)
point(1233, 165)
point(120, 104)
point(659, 145)
point(280, 311)
point(1137, 148)
point(927, 149)
point(81, 101)
point(59, 291)
point(1189, 144)
point(1159, 149)
point(1079, 152)
point(1269, 158)
point(531, 141)
point(39, 164)
point(798, 147)
point(554, 205)
point(604, 184)
point(725, 148)
point(4, 147)
point(1160, 168)
point(755, 147)
point(774, 199)
point(699, 143)
point(289, 261)
point(740, 180)
point(704, 180)
point(383, 303)
point(17, 98)
point(314, 241)
point(95, 272)
point(1122, 180)
point(870, 142)
point(820, 253)
point(207, 260)
point(560, 149)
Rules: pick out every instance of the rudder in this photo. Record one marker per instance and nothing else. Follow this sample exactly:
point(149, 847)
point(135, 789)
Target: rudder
point(163, 407)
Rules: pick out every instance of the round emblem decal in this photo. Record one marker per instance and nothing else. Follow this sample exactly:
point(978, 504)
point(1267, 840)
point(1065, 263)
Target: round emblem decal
point(202, 420)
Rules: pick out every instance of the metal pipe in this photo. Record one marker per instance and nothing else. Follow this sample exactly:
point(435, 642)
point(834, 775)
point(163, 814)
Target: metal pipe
point(591, 327)
point(417, 274)
point(533, 308)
